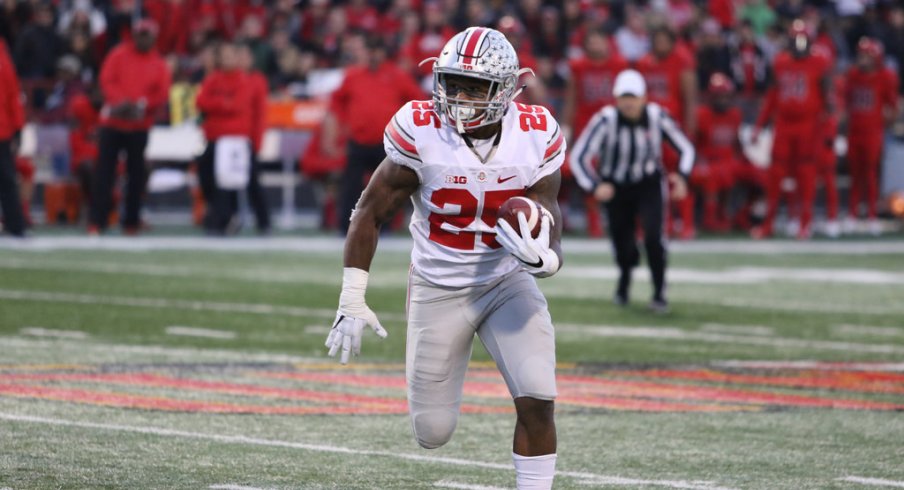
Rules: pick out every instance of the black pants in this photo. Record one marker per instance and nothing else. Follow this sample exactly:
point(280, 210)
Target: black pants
point(361, 160)
point(643, 201)
point(112, 142)
point(223, 204)
point(10, 204)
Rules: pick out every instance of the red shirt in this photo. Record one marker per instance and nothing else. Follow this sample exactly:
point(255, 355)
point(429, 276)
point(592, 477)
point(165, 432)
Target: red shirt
point(367, 100)
point(717, 133)
point(83, 136)
point(797, 94)
point(663, 78)
point(130, 75)
point(593, 81)
point(226, 103)
point(866, 94)
point(12, 115)
point(260, 91)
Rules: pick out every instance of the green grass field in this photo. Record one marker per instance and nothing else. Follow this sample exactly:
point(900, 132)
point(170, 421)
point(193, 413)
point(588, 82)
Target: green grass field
point(196, 364)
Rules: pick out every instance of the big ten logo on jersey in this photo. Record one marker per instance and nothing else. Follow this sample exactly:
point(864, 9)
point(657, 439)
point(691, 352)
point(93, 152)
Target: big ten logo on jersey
point(424, 114)
point(531, 117)
point(453, 224)
point(792, 86)
point(457, 179)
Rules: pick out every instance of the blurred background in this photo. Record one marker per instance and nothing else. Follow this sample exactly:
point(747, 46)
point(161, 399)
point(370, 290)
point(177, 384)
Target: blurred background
point(304, 49)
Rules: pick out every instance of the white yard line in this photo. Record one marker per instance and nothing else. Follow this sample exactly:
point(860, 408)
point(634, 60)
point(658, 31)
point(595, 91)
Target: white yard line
point(115, 352)
point(403, 244)
point(166, 303)
point(752, 275)
point(464, 486)
point(739, 275)
point(869, 330)
point(878, 482)
point(229, 486)
point(208, 333)
point(804, 306)
point(813, 365)
point(761, 330)
point(322, 448)
point(668, 333)
point(50, 332)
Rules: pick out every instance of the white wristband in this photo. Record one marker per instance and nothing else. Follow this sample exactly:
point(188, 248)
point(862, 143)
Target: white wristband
point(354, 284)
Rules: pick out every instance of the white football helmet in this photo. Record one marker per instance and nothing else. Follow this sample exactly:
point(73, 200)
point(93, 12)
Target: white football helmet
point(485, 54)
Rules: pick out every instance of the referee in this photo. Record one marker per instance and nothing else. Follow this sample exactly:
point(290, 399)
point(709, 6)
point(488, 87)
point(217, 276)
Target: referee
point(618, 158)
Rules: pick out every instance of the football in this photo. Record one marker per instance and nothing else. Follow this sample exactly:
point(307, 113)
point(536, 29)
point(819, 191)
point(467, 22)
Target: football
point(532, 211)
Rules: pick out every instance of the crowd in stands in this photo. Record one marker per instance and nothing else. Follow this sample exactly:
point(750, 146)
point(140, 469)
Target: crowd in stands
point(59, 46)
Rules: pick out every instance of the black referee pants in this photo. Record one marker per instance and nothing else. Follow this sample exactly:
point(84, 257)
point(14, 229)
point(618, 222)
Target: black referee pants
point(13, 218)
point(362, 159)
point(641, 202)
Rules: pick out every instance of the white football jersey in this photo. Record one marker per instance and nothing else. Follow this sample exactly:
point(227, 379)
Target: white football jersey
point(456, 204)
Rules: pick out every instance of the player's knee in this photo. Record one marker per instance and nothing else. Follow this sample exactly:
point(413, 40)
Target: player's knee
point(534, 412)
point(433, 428)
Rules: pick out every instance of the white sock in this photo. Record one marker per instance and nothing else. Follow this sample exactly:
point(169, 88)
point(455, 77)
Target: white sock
point(534, 472)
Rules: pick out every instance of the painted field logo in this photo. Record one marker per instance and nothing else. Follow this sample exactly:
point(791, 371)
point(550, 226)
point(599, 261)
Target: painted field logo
point(304, 389)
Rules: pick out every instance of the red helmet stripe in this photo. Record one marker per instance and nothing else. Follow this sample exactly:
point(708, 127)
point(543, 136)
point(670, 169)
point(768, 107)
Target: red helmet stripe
point(472, 45)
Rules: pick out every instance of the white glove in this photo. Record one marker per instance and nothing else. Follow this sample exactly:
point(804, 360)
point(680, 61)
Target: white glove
point(352, 316)
point(534, 253)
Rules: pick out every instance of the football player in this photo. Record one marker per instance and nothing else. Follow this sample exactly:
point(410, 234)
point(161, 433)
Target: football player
point(722, 164)
point(796, 102)
point(458, 157)
point(871, 104)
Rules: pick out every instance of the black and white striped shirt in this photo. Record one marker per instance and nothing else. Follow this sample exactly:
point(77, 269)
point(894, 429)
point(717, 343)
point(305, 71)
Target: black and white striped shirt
point(611, 149)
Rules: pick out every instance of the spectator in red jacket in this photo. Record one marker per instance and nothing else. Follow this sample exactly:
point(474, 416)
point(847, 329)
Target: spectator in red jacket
point(12, 118)
point(229, 103)
point(368, 97)
point(135, 82)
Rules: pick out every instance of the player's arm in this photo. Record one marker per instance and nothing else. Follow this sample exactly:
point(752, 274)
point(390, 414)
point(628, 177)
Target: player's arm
point(541, 256)
point(546, 192)
point(388, 189)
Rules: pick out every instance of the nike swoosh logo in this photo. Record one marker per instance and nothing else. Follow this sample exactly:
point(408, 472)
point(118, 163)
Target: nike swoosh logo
point(536, 265)
point(500, 180)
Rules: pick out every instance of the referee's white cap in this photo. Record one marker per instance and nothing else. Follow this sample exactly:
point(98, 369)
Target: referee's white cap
point(629, 82)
